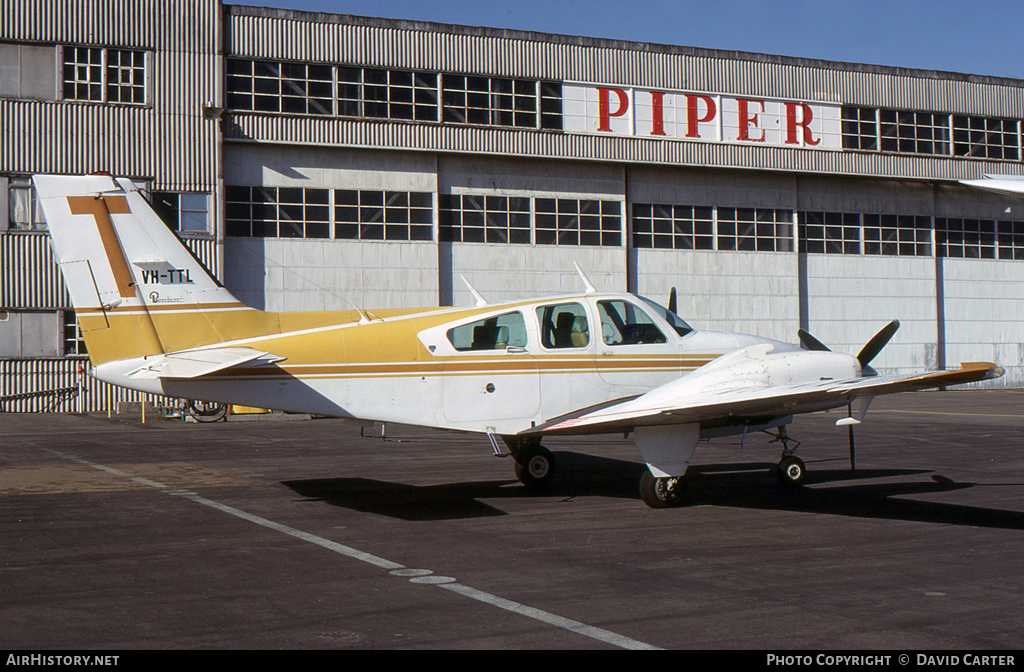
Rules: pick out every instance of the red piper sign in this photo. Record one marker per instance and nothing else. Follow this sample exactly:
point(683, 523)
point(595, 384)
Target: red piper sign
point(700, 117)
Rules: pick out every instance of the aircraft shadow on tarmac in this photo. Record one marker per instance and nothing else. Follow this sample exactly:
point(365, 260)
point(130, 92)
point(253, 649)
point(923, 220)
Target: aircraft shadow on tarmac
point(745, 485)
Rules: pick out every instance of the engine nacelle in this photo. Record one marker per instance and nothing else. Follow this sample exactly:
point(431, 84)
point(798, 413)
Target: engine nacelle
point(756, 367)
point(784, 368)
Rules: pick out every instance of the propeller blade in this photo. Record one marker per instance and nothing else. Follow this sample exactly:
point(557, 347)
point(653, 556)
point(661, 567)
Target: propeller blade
point(809, 342)
point(875, 345)
point(672, 301)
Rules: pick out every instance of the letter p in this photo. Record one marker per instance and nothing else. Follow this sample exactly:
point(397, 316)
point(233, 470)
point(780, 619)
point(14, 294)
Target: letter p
point(604, 110)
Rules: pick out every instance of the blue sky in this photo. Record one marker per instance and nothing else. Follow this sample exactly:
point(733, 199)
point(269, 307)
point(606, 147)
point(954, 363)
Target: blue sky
point(978, 37)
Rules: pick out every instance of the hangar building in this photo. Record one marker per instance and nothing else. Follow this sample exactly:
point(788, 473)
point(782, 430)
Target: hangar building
point(320, 161)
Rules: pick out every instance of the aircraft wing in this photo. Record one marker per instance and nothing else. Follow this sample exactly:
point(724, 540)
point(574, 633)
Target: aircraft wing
point(1004, 184)
point(682, 402)
point(196, 363)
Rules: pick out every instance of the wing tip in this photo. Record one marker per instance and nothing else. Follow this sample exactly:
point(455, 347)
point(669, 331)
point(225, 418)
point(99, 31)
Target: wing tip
point(992, 370)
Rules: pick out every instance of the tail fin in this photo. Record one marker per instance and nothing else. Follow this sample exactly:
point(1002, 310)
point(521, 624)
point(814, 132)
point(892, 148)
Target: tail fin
point(137, 290)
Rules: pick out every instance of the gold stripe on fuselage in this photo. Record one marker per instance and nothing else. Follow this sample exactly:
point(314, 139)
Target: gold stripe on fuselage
point(514, 365)
point(327, 344)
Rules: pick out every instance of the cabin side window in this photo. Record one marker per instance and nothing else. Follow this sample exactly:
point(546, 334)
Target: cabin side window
point(491, 333)
point(564, 325)
point(622, 323)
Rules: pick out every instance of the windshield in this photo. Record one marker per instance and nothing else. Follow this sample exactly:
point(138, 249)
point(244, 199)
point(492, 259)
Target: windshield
point(682, 328)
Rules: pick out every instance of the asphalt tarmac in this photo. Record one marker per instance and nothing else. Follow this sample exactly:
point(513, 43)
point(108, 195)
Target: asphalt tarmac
point(303, 534)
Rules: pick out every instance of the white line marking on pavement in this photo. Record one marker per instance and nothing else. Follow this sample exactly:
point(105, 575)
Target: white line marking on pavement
point(552, 619)
point(299, 534)
point(420, 576)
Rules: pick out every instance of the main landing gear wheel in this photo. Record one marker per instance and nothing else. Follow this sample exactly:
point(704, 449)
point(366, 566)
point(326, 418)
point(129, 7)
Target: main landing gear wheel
point(206, 411)
point(791, 471)
point(534, 466)
point(662, 493)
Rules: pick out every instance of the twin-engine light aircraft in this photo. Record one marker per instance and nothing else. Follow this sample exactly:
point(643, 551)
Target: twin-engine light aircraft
point(154, 320)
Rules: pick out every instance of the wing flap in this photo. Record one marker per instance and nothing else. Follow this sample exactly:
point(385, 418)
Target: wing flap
point(197, 363)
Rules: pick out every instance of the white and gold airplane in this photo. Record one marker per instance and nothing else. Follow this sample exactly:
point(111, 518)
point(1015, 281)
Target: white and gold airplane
point(154, 320)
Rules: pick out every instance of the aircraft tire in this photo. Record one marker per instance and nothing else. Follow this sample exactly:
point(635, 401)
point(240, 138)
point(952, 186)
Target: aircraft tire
point(206, 411)
point(791, 471)
point(662, 493)
point(535, 467)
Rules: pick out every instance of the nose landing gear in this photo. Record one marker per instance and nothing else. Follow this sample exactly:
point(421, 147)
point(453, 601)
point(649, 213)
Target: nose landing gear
point(791, 469)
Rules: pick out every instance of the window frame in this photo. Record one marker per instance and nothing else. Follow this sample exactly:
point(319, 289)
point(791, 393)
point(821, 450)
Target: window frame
point(635, 336)
point(98, 82)
point(397, 94)
point(925, 133)
point(71, 335)
point(547, 327)
point(673, 227)
point(173, 214)
point(22, 184)
point(753, 229)
point(578, 222)
point(510, 346)
point(823, 232)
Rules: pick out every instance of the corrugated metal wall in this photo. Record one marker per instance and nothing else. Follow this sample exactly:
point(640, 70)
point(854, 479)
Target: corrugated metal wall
point(172, 142)
point(30, 279)
point(169, 140)
point(51, 385)
point(60, 137)
point(278, 34)
point(509, 142)
point(106, 22)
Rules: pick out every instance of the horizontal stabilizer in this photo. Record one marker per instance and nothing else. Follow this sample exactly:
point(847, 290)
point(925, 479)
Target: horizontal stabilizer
point(196, 363)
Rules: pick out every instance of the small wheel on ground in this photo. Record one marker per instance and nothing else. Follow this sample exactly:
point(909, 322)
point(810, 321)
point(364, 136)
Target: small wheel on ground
point(535, 466)
point(662, 493)
point(791, 471)
point(206, 411)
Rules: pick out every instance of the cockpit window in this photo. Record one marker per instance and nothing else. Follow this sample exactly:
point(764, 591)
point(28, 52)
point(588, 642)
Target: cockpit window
point(681, 327)
point(492, 333)
point(564, 325)
point(622, 323)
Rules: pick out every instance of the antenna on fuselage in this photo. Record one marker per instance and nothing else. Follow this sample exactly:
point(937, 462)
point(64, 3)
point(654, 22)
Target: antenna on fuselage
point(363, 317)
point(586, 280)
point(480, 300)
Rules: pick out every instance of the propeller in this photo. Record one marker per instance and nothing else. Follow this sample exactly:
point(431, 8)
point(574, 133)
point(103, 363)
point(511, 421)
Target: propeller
point(877, 342)
point(672, 301)
point(864, 357)
point(808, 342)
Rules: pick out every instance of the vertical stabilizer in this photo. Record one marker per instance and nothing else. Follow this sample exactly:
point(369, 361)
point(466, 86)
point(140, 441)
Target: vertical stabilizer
point(137, 290)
